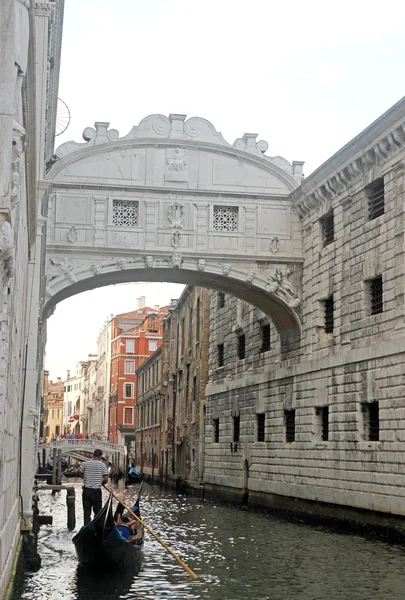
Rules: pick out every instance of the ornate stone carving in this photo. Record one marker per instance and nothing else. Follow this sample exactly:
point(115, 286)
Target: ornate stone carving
point(122, 263)
point(176, 239)
point(176, 215)
point(149, 261)
point(73, 234)
point(49, 292)
point(282, 287)
point(18, 133)
point(202, 264)
point(176, 162)
point(274, 245)
point(248, 144)
point(6, 251)
point(250, 276)
point(59, 268)
point(226, 269)
point(176, 260)
point(97, 269)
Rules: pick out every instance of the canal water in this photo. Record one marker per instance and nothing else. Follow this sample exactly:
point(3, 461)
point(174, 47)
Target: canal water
point(238, 555)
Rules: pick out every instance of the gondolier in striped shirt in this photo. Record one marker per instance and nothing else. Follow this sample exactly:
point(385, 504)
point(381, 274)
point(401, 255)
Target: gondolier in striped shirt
point(95, 475)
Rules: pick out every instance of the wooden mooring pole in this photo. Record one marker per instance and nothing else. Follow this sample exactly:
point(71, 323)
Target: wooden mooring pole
point(59, 472)
point(54, 465)
point(43, 459)
point(70, 501)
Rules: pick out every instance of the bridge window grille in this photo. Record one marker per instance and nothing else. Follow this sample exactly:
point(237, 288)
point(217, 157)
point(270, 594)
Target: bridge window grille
point(322, 413)
point(260, 421)
point(220, 349)
point(376, 295)
point(241, 346)
point(125, 213)
point(221, 300)
point(215, 430)
point(376, 198)
point(371, 420)
point(236, 429)
point(225, 218)
point(265, 335)
point(289, 418)
point(328, 228)
point(328, 307)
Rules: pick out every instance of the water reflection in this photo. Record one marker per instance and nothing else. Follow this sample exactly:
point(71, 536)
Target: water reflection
point(237, 555)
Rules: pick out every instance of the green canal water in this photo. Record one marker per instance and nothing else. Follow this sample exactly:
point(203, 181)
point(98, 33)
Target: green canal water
point(238, 555)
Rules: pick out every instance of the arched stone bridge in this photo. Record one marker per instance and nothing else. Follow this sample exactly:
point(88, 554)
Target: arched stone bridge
point(68, 446)
point(173, 201)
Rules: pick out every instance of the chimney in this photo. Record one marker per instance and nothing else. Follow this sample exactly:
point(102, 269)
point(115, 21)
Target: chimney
point(68, 374)
point(142, 302)
point(137, 304)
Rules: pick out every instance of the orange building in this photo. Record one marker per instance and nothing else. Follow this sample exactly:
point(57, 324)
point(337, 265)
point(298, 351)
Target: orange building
point(135, 336)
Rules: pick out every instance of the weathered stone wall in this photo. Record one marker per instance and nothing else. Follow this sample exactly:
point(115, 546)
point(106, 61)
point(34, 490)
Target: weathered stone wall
point(344, 371)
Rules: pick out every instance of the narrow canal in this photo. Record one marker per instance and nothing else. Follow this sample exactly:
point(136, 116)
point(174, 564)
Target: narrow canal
point(238, 555)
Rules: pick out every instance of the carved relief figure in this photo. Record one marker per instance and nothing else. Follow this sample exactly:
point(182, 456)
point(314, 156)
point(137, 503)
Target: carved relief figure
point(18, 133)
point(149, 261)
point(176, 239)
point(201, 264)
point(96, 268)
point(6, 251)
point(177, 162)
point(122, 263)
point(279, 284)
point(250, 276)
point(226, 269)
point(63, 267)
point(72, 235)
point(274, 245)
point(176, 261)
point(176, 215)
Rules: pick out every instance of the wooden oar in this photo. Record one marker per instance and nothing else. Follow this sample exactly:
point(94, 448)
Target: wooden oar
point(181, 563)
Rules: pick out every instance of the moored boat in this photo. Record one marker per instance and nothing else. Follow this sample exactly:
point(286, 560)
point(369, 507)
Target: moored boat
point(134, 475)
point(102, 543)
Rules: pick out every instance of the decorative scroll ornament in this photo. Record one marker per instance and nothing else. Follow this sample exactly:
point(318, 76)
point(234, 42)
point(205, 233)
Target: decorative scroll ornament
point(226, 269)
point(202, 264)
point(274, 245)
point(176, 260)
point(282, 287)
point(149, 262)
point(73, 234)
point(6, 252)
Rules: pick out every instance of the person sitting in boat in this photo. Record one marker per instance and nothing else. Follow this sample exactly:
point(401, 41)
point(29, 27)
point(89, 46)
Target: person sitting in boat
point(130, 530)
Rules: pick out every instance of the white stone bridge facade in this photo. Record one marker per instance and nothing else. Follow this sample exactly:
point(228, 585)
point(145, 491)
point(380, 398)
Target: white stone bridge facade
point(173, 201)
point(68, 446)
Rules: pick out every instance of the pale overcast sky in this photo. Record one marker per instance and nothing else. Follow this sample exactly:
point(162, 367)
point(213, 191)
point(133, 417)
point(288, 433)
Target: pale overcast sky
point(306, 76)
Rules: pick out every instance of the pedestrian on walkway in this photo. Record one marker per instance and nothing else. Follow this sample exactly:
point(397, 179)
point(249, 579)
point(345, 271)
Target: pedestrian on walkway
point(95, 475)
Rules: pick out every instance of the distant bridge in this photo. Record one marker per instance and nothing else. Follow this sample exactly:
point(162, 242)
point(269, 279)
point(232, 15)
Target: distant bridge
point(70, 446)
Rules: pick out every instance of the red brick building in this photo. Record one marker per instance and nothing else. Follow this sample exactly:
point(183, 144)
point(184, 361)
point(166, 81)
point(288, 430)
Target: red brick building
point(135, 336)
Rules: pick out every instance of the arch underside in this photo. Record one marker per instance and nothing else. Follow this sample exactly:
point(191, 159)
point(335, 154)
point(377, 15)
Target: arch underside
point(284, 317)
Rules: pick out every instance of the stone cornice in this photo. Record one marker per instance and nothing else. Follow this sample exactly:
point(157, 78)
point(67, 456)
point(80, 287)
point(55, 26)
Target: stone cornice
point(376, 145)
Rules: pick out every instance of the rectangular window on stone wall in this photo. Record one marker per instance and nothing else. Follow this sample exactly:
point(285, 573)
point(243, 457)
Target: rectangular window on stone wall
point(225, 218)
point(322, 423)
point(265, 336)
point(260, 426)
point(128, 390)
point(289, 422)
point(221, 300)
point(125, 213)
point(241, 346)
point(371, 421)
point(215, 431)
point(236, 429)
point(328, 313)
point(328, 228)
point(375, 194)
point(375, 287)
point(220, 350)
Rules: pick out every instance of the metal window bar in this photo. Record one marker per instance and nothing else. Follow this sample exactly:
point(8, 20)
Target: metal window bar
point(376, 296)
point(236, 429)
point(241, 346)
point(376, 199)
point(325, 423)
point(328, 229)
point(374, 422)
point(261, 419)
point(329, 314)
point(221, 300)
point(265, 333)
point(289, 426)
point(215, 425)
point(220, 349)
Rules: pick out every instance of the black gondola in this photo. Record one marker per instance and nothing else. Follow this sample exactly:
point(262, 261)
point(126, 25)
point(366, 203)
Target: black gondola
point(134, 475)
point(103, 544)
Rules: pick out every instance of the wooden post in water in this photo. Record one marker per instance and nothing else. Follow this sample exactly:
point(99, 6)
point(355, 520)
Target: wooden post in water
point(39, 463)
point(54, 466)
point(43, 459)
point(59, 471)
point(153, 463)
point(71, 508)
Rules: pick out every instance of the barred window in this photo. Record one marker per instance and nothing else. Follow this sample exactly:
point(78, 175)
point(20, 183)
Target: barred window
point(328, 228)
point(371, 421)
point(125, 213)
point(225, 218)
point(376, 200)
point(265, 335)
point(221, 299)
point(328, 307)
point(260, 421)
point(376, 295)
point(220, 349)
point(215, 430)
point(241, 346)
point(322, 412)
point(289, 419)
point(236, 429)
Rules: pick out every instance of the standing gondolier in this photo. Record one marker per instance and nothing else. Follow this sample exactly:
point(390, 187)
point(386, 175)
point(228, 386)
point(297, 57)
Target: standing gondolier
point(95, 475)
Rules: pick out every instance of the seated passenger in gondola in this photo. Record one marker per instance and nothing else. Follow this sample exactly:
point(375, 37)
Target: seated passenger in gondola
point(131, 531)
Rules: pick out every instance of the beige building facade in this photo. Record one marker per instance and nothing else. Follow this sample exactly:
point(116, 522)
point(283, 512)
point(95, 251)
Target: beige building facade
point(322, 419)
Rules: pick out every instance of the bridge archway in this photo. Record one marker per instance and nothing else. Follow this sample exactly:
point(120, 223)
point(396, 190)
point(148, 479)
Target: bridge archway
point(173, 201)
